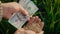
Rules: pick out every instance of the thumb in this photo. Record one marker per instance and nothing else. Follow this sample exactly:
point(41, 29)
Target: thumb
point(22, 10)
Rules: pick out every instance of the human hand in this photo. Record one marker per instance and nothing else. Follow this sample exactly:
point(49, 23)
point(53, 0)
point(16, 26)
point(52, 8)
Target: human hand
point(35, 19)
point(12, 7)
point(22, 31)
point(34, 24)
point(28, 31)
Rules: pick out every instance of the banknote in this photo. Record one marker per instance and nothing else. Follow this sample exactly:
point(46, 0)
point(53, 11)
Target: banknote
point(23, 2)
point(31, 8)
point(18, 19)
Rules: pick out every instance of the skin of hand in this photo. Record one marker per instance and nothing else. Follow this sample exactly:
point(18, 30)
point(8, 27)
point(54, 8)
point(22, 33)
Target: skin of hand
point(12, 7)
point(31, 20)
point(22, 31)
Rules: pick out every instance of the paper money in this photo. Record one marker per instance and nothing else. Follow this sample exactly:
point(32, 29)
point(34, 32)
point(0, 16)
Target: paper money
point(29, 6)
point(23, 2)
point(18, 19)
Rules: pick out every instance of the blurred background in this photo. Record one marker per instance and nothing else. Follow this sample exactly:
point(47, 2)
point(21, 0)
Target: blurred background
point(49, 12)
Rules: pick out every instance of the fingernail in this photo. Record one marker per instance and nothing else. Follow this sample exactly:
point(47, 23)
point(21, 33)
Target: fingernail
point(37, 17)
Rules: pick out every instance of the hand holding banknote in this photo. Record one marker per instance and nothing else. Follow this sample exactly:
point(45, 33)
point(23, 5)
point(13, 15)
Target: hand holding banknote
point(28, 29)
point(12, 7)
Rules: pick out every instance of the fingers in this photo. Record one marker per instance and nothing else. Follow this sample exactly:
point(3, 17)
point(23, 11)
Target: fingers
point(39, 21)
point(21, 9)
point(36, 18)
point(31, 20)
point(42, 25)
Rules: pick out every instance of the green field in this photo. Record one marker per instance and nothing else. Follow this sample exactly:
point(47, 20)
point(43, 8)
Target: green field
point(49, 12)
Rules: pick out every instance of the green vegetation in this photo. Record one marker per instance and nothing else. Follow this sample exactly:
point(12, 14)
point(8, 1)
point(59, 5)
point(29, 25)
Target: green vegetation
point(49, 12)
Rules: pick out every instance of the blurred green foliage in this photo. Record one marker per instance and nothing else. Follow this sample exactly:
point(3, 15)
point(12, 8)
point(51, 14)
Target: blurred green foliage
point(49, 12)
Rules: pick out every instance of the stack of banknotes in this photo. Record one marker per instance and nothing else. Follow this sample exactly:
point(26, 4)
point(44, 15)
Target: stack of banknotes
point(18, 19)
